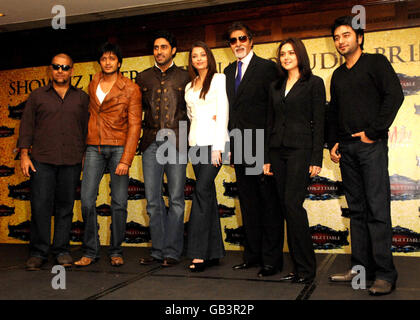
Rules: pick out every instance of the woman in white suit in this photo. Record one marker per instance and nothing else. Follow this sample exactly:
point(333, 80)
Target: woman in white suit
point(208, 111)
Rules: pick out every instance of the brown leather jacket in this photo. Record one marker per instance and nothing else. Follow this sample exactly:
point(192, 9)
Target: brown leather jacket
point(163, 101)
point(117, 121)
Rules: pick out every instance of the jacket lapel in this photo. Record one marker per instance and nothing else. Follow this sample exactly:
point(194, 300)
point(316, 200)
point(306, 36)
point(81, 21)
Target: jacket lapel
point(114, 92)
point(93, 86)
point(294, 90)
point(230, 82)
point(247, 75)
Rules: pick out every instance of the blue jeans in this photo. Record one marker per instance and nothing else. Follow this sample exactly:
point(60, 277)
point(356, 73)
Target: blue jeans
point(52, 186)
point(94, 167)
point(166, 228)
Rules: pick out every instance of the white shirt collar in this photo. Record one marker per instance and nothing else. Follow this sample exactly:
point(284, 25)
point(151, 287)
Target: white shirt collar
point(248, 58)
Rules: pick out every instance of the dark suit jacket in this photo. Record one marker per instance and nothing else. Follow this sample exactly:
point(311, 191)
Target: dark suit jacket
point(297, 120)
point(248, 107)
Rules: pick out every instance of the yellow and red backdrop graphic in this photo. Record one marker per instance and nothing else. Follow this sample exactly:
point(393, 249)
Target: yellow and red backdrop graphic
point(325, 203)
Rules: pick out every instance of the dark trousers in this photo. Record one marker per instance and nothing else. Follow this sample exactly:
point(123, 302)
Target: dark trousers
point(364, 171)
point(291, 172)
point(263, 226)
point(204, 231)
point(53, 190)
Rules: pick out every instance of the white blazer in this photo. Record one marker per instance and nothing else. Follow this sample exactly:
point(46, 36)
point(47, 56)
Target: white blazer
point(209, 118)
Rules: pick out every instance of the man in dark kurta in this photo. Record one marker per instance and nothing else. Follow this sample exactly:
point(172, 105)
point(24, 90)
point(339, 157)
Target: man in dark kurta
point(164, 109)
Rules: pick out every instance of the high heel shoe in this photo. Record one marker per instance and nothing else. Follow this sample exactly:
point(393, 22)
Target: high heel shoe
point(197, 266)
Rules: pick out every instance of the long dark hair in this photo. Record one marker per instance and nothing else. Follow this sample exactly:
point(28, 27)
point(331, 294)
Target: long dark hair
point(301, 55)
point(211, 65)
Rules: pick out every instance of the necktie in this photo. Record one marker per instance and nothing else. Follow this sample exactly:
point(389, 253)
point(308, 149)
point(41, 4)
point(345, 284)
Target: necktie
point(238, 76)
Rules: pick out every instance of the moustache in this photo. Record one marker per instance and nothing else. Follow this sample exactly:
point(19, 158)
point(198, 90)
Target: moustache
point(240, 47)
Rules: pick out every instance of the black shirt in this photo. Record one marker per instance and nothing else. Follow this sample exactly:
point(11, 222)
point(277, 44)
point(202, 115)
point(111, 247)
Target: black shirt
point(55, 127)
point(365, 98)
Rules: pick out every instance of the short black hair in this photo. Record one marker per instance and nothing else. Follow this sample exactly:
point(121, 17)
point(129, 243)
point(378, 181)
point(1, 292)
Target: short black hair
point(348, 21)
point(110, 47)
point(238, 25)
point(165, 35)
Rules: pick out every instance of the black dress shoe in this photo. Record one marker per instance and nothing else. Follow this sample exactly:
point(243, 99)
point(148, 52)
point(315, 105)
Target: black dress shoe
point(302, 280)
point(267, 270)
point(244, 265)
point(288, 277)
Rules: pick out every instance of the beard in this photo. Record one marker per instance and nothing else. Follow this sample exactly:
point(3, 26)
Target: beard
point(61, 82)
point(164, 62)
point(352, 48)
point(241, 54)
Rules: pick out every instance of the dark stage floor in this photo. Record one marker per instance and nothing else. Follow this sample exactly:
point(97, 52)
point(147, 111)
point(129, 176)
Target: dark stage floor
point(132, 281)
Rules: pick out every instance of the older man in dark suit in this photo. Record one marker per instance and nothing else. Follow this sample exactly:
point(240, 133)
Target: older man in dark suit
point(247, 85)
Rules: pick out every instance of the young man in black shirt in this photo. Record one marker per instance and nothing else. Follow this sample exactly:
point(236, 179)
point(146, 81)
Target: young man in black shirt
point(365, 97)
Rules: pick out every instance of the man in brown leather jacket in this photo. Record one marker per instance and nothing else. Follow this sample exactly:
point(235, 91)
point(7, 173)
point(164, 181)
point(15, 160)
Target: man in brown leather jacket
point(164, 105)
point(113, 133)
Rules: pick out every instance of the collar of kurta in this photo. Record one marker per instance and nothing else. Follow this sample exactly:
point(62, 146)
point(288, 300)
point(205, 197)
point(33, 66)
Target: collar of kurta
point(169, 70)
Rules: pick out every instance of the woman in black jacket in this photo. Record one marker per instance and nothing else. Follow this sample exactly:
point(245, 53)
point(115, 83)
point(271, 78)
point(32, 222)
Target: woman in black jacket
point(294, 148)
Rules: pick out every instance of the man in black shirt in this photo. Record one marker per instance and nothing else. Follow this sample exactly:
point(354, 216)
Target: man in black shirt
point(53, 125)
point(365, 97)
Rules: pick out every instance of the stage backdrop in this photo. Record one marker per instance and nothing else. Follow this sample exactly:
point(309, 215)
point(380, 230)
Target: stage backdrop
point(325, 204)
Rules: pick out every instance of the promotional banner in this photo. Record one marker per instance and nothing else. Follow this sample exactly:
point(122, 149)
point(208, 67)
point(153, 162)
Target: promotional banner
point(325, 203)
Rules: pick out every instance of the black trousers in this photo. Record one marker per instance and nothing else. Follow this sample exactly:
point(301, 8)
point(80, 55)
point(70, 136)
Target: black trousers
point(364, 171)
point(204, 230)
point(291, 172)
point(52, 187)
point(263, 225)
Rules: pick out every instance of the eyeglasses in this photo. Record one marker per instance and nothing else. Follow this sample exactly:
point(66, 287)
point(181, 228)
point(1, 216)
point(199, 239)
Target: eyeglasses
point(64, 67)
point(241, 39)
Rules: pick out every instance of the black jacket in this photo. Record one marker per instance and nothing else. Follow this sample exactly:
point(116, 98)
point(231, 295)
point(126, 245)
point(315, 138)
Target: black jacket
point(163, 101)
point(248, 107)
point(297, 120)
